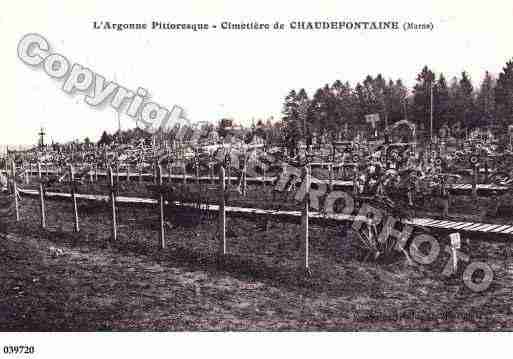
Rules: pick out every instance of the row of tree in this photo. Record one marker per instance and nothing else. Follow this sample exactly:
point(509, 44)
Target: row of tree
point(456, 103)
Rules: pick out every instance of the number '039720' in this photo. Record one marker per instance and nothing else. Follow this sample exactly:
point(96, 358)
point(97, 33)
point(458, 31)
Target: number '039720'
point(18, 349)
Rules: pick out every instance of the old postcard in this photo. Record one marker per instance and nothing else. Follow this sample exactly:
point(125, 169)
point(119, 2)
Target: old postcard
point(274, 166)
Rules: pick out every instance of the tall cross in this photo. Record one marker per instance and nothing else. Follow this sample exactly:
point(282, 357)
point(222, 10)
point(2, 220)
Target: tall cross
point(41, 137)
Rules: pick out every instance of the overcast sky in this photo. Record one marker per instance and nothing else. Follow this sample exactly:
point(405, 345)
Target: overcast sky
point(240, 74)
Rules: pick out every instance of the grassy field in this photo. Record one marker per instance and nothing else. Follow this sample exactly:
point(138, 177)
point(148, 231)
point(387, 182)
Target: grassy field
point(55, 280)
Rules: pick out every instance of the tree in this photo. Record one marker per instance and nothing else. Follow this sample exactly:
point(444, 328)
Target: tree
point(422, 98)
point(303, 107)
point(346, 110)
point(441, 104)
point(290, 108)
point(504, 94)
point(106, 139)
point(395, 99)
point(485, 101)
point(225, 127)
point(293, 110)
point(467, 91)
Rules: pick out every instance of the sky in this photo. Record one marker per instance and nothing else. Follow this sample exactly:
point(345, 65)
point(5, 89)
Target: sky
point(220, 73)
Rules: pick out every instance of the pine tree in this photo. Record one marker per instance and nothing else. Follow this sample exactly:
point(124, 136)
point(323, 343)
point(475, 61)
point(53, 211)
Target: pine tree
point(422, 98)
point(345, 105)
point(504, 94)
point(303, 106)
point(441, 104)
point(324, 107)
point(290, 108)
point(467, 101)
point(485, 101)
point(291, 119)
point(105, 139)
point(396, 95)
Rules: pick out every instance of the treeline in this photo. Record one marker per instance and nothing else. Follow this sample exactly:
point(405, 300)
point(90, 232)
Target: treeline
point(266, 130)
point(457, 103)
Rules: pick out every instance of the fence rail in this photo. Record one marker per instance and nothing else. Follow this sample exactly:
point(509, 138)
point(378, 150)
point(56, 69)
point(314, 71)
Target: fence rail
point(486, 189)
point(302, 217)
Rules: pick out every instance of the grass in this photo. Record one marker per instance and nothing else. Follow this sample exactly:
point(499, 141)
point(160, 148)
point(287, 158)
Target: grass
point(133, 285)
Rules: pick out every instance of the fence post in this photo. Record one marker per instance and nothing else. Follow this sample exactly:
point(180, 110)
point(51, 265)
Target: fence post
point(184, 173)
point(355, 180)
point(264, 173)
point(305, 260)
point(474, 182)
point(15, 190)
point(196, 163)
point(27, 178)
point(161, 207)
point(222, 212)
point(113, 203)
point(74, 197)
point(41, 196)
point(211, 172)
point(330, 172)
point(117, 173)
point(140, 172)
point(128, 172)
point(445, 198)
point(228, 175)
point(244, 174)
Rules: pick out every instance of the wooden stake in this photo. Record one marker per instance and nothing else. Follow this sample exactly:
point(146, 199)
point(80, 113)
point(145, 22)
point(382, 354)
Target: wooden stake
point(222, 212)
point(330, 171)
point(229, 172)
point(74, 197)
point(41, 196)
point(305, 260)
point(445, 198)
point(27, 176)
point(264, 173)
point(117, 173)
point(244, 174)
point(355, 180)
point(197, 172)
point(161, 205)
point(113, 203)
point(15, 190)
point(474, 183)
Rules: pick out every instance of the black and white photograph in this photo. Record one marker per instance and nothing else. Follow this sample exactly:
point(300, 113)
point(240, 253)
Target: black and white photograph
point(251, 170)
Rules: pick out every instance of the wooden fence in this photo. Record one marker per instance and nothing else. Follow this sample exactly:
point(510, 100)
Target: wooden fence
point(112, 199)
